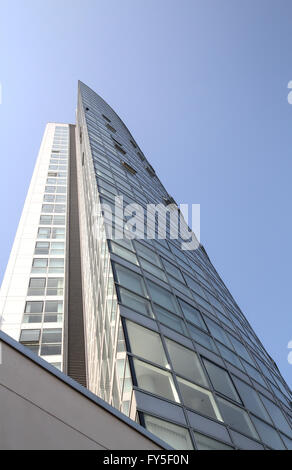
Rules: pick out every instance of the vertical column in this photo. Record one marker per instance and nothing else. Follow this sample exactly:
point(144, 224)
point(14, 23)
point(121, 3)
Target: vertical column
point(74, 337)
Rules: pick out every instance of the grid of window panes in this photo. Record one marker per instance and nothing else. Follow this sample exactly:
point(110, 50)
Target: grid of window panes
point(42, 327)
point(201, 377)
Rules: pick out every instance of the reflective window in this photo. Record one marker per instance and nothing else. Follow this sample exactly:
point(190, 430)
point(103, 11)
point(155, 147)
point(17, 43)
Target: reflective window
point(176, 436)
point(206, 443)
point(277, 416)
point(192, 314)
point(185, 362)
point(58, 233)
point(202, 338)
point(131, 300)
point(123, 253)
point(170, 320)
point(55, 286)
point(173, 270)
point(34, 307)
point(54, 306)
point(146, 343)
point(268, 435)
point(150, 268)
point(155, 380)
point(44, 232)
point(221, 380)
point(29, 336)
point(129, 279)
point(218, 332)
point(51, 349)
point(237, 418)
point(198, 399)
point(254, 373)
point(39, 265)
point(53, 335)
point(251, 399)
point(240, 349)
point(229, 355)
point(146, 253)
point(163, 297)
point(36, 286)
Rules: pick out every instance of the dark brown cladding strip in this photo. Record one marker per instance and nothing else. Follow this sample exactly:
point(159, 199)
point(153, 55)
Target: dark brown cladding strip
point(75, 358)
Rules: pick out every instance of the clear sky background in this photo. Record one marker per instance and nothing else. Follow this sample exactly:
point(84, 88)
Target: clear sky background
point(202, 85)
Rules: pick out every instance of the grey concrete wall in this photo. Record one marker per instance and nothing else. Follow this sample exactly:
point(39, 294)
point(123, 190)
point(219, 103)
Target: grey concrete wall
point(38, 410)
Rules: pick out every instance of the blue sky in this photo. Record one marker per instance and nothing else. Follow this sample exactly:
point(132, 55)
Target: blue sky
point(202, 85)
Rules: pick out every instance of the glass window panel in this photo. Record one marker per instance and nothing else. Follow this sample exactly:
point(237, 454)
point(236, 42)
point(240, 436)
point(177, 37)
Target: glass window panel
point(237, 418)
point(53, 335)
point(46, 220)
point(155, 380)
point(221, 380)
point(56, 265)
point(229, 356)
point(29, 336)
point(254, 373)
point(171, 320)
point(218, 332)
point(277, 416)
point(251, 399)
point(44, 232)
point(55, 282)
point(37, 282)
point(59, 220)
point(131, 300)
point(53, 317)
point(268, 434)
point(206, 443)
point(57, 245)
point(129, 279)
point(192, 314)
point(202, 302)
point(33, 318)
point(202, 338)
point(176, 436)
point(123, 253)
point(194, 285)
point(47, 208)
point(34, 307)
point(199, 399)
point(42, 248)
point(186, 363)
point(146, 253)
point(140, 340)
point(181, 287)
point(40, 262)
point(33, 348)
point(58, 233)
point(173, 270)
point(51, 349)
point(54, 306)
point(153, 269)
point(240, 349)
point(163, 297)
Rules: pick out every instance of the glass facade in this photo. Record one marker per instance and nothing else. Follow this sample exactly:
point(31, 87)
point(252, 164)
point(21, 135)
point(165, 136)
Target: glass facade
point(166, 342)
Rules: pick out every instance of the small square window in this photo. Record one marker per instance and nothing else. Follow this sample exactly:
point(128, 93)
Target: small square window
point(34, 307)
point(29, 336)
point(44, 232)
point(52, 335)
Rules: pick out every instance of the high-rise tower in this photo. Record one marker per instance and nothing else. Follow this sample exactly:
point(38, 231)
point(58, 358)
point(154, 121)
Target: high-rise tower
point(147, 326)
